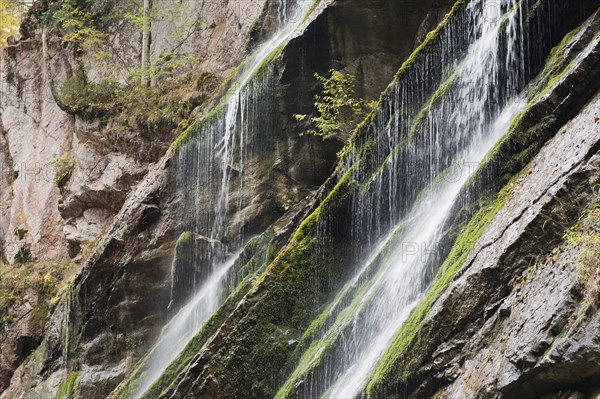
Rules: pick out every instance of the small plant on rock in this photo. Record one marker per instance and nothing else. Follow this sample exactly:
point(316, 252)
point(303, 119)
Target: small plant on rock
point(78, 27)
point(338, 110)
point(586, 236)
point(64, 168)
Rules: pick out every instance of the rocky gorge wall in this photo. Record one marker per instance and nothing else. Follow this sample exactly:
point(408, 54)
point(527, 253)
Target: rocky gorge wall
point(124, 226)
point(512, 313)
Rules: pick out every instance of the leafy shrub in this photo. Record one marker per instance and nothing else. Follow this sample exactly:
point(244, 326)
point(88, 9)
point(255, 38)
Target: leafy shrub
point(133, 105)
point(11, 14)
point(78, 24)
point(90, 100)
point(64, 168)
point(338, 110)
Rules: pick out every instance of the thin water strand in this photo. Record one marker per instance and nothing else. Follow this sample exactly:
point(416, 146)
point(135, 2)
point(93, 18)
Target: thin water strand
point(207, 159)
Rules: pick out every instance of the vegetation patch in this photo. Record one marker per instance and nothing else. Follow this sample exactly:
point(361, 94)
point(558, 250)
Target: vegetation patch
point(66, 389)
point(64, 165)
point(585, 238)
point(11, 14)
point(556, 63)
point(338, 110)
point(164, 106)
point(47, 279)
point(435, 98)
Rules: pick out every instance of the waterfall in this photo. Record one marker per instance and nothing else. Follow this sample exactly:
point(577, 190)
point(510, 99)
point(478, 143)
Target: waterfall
point(434, 125)
point(397, 289)
point(211, 169)
point(65, 330)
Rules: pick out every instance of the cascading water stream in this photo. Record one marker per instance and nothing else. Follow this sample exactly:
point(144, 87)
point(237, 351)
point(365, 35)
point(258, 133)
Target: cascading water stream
point(397, 289)
point(218, 145)
point(413, 188)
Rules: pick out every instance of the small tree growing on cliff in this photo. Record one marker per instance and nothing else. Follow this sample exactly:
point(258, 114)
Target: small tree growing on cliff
point(79, 28)
point(11, 14)
point(338, 110)
point(143, 18)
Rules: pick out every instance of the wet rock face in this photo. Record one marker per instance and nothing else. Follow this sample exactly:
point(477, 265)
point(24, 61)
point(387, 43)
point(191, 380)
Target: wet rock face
point(18, 337)
point(368, 40)
point(514, 322)
point(190, 267)
point(120, 300)
point(474, 312)
point(372, 39)
point(538, 336)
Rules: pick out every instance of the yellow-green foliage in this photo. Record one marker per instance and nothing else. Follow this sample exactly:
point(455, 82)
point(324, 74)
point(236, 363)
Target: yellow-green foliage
point(45, 278)
point(585, 237)
point(88, 99)
point(11, 14)
point(338, 110)
point(64, 165)
point(65, 391)
point(78, 27)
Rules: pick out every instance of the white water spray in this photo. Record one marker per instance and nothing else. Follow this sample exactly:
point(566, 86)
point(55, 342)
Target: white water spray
point(464, 122)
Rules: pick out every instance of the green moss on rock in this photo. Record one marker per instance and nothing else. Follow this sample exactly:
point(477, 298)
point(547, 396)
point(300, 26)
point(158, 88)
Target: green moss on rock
point(67, 387)
point(64, 168)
